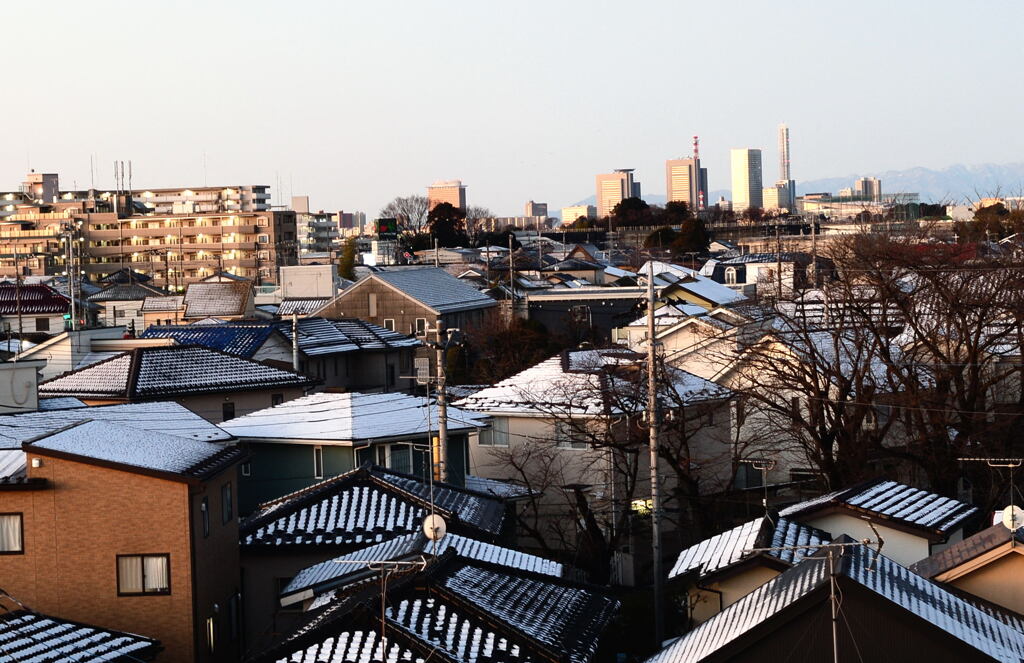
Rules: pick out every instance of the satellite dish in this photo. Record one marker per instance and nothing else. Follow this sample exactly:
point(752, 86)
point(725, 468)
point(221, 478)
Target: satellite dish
point(435, 528)
point(1013, 517)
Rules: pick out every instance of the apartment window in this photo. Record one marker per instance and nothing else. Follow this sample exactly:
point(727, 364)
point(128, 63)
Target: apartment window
point(11, 537)
point(389, 324)
point(372, 304)
point(263, 239)
point(497, 436)
point(140, 575)
point(227, 411)
point(568, 437)
point(204, 509)
point(264, 255)
point(42, 324)
point(247, 469)
point(318, 462)
point(276, 399)
point(421, 326)
point(227, 511)
point(261, 222)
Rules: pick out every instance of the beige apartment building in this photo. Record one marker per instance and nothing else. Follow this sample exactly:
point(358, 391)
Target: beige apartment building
point(452, 192)
point(686, 181)
point(613, 188)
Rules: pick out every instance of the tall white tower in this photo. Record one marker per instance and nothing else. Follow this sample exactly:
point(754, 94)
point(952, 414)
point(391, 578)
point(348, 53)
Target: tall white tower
point(746, 178)
point(784, 153)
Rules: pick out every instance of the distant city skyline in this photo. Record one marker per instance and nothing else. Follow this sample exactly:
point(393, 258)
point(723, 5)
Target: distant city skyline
point(354, 117)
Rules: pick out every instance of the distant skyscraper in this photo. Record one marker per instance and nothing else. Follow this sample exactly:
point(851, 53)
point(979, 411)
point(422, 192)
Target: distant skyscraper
point(447, 191)
point(536, 209)
point(613, 188)
point(686, 181)
point(785, 174)
point(575, 212)
point(868, 187)
point(746, 178)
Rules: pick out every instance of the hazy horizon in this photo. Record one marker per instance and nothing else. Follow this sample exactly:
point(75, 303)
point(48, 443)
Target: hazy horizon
point(353, 104)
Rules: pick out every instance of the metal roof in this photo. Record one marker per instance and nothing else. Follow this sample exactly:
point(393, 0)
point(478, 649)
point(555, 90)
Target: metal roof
point(436, 289)
point(241, 340)
point(124, 292)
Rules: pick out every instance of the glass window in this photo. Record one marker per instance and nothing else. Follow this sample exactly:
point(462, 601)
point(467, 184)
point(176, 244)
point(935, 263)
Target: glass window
point(318, 462)
point(568, 436)
point(11, 538)
point(227, 411)
point(389, 324)
point(227, 511)
point(497, 436)
point(143, 574)
point(421, 326)
point(42, 324)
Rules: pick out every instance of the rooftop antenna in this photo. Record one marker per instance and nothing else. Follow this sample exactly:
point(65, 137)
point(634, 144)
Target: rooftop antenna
point(1013, 516)
point(764, 466)
point(831, 550)
point(696, 148)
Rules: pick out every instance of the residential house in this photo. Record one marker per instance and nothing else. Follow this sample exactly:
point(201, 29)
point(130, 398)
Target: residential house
point(342, 514)
point(856, 604)
point(215, 385)
point(225, 300)
point(412, 301)
point(121, 304)
point(988, 565)
point(131, 530)
point(771, 273)
point(676, 282)
point(721, 570)
point(165, 310)
point(301, 442)
point(26, 635)
point(33, 309)
point(75, 349)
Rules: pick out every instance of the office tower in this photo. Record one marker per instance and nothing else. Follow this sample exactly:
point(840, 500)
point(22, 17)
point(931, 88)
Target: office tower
point(447, 191)
point(746, 178)
point(536, 209)
point(785, 174)
point(778, 197)
point(613, 188)
point(686, 181)
point(573, 213)
point(869, 188)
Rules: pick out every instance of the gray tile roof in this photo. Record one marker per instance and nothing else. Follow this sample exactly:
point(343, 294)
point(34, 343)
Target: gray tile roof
point(301, 305)
point(125, 292)
point(355, 646)
point(892, 501)
point(437, 289)
point(165, 372)
point(966, 550)
point(318, 336)
point(29, 637)
point(888, 580)
point(217, 299)
point(368, 505)
point(166, 303)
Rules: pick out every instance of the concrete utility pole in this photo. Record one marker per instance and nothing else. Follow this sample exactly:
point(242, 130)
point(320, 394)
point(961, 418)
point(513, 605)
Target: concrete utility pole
point(69, 263)
point(652, 425)
point(295, 342)
point(441, 461)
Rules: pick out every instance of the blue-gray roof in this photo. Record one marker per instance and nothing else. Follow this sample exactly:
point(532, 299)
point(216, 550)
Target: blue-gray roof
point(241, 340)
point(437, 289)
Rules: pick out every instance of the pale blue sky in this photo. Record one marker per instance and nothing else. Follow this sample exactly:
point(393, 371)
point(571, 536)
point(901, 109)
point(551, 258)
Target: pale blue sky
point(356, 102)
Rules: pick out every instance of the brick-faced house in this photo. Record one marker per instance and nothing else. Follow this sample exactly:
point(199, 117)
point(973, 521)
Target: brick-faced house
point(131, 530)
point(411, 301)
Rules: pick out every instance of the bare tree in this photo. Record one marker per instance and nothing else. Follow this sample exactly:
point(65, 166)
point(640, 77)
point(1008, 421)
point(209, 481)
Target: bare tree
point(411, 211)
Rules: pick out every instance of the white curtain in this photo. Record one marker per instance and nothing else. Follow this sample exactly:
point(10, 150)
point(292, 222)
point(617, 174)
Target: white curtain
point(157, 574)
point(129, 575)
point(10, 533)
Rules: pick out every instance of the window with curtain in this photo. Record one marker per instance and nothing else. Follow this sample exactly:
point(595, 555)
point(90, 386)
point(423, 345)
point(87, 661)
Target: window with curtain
point(10, 533)
point(143, 574)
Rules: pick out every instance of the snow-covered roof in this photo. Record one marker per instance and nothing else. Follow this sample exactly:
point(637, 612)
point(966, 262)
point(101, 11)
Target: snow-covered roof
point(29, 637)
point(436, 289)
point(60, 403)
point(724, 550)
point(671, 313)
point(345, 570)
point(125, 292)
point(583, 383)
point(158, 417)
point(692, 281)
point(163, 303)
point(135, 448)
point(162, 372)
point(368, 505)
point(503, 489)
point(219, 298)
point(893, 502)
point(349, 417)
point(884, 578)
point(241, 340)
point(354, 646)
point(318, 336)
point(301, 305)
point(32, 300)
point(12, 465)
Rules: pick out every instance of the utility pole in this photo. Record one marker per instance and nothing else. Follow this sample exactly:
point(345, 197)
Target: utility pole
point(295, 342)
point(69, 263)
point(512, 275)
point(652, 421)
point(778, 261)
point(441, 460)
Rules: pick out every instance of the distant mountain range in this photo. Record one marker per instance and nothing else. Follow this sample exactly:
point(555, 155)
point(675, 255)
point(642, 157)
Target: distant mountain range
point(956, 183)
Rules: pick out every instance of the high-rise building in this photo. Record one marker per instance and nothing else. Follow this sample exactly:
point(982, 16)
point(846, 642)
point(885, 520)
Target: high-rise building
point(536, 209)
point(447, 191)
point(613, 188)
point(785, 174)
point(575, 212)
point(686, 181)
point(746, 178)
point(868, 187)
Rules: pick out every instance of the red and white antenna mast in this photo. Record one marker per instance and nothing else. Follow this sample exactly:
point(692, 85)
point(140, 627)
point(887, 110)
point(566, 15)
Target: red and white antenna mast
point(696, 147)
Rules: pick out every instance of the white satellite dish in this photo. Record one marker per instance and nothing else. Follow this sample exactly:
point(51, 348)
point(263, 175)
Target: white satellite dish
point(1013, 517)
point(434, 527)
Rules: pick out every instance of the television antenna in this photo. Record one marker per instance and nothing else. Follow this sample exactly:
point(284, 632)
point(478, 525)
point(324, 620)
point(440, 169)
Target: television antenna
point(764, 466)
point(1013, 515)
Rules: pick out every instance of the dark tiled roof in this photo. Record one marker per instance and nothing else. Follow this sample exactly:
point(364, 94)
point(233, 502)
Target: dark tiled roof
point(125, 292)
point(217, 299)
point(166, 372)
point(437, 289)
point(125, 276)
point(29, 637)
point(888, 580)
point(302, 305)
point(368, 505)
point(241, 340)
point(318, 336)
point(966, 550)
point(36, 299)
point(894, 502)
point(164, 303)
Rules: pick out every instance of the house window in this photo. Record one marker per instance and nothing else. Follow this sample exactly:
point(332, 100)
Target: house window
point(247, 469)
point(389, 324)
point(204, 508)
point(227, 511)
point(227, 411)
point(421, 327)
point(318, 462)
point(372, 304)
point(730, 275)
point(568, 436)
point(11, 538)
point(497, 436)
point(42, 324)
point(139, 575)
point(276, 399)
